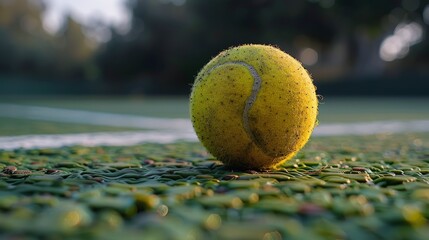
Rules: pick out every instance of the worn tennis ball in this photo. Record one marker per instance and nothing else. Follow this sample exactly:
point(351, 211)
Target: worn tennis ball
point(253, 106)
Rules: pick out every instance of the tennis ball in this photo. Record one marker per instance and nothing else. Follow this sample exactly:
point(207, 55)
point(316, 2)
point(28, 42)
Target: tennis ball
point(253, 106)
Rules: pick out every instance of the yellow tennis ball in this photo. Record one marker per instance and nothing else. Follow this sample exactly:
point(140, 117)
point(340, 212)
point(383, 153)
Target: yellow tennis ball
point(253, 106)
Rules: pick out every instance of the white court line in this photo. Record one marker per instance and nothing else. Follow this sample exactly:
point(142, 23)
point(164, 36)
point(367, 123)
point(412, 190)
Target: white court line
point(163, 130)
point(368, 128)
point(168, 136)
point(94, 139)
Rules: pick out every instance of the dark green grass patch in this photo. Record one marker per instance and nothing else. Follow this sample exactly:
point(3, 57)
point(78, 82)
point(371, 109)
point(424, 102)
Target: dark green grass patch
point(372, 187)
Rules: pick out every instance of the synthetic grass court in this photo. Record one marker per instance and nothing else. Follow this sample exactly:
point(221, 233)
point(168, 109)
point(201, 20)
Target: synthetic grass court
point(372, 187)
point(341, 187)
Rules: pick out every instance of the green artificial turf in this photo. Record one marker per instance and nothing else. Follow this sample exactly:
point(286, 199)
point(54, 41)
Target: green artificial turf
point(366, 187)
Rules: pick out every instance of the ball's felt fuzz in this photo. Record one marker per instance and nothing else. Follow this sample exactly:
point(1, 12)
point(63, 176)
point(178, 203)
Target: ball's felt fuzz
point(253, 106)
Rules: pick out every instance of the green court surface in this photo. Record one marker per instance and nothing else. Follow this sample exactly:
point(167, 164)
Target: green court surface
point(331, 110)
point(14, 127)
point(169, 107)
point(370, 187)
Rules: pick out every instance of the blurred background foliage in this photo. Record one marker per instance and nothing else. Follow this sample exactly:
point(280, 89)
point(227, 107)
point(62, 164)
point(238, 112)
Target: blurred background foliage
point(350, 47)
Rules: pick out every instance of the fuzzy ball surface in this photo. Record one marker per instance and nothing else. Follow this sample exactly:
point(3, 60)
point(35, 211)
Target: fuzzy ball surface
point(253, 106)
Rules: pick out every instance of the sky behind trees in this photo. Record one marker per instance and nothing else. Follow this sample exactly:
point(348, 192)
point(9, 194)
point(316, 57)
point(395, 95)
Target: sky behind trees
point(111, 12)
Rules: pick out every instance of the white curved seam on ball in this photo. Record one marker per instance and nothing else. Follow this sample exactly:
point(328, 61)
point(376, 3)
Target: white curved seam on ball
point(257, 82)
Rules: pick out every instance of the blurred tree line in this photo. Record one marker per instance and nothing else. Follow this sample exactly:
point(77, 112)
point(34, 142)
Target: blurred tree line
point(28, 49)
point(170, 40)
